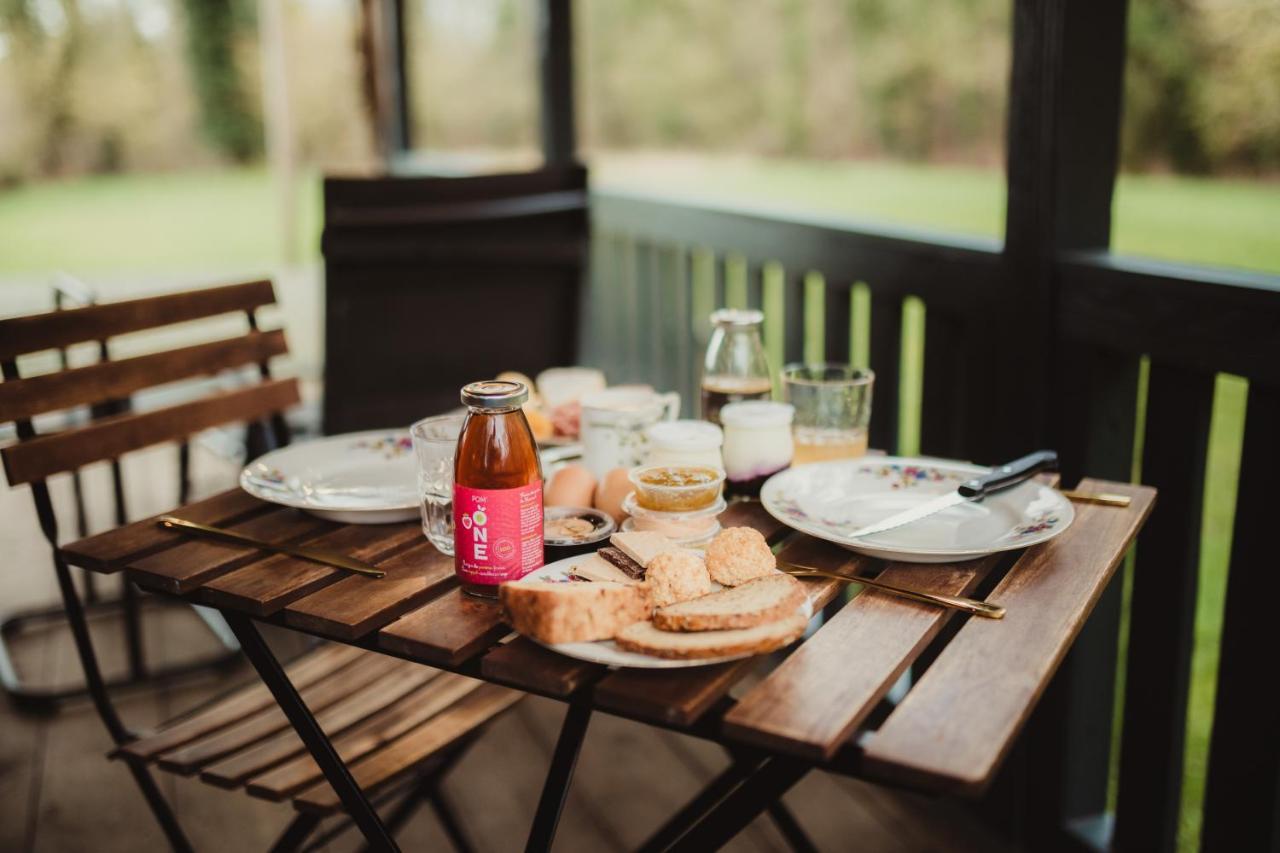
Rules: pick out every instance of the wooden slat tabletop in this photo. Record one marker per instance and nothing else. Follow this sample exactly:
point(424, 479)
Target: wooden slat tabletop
point(949, 732)
point(263, 587)
point(955, 726)
point(355, 605)
point(681, 696)
point(109, 551)
point(525, 664)
point(446, 631)
point(195, 562)
point(851, 662)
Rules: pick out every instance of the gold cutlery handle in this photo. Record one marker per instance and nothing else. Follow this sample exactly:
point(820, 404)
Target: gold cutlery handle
point(1103, 498)
point(316, 555)
point(953, 602)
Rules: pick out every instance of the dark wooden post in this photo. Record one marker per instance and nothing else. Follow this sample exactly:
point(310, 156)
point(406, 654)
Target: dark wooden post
point(555, 49)
point(382, 43)
point(1064, 126)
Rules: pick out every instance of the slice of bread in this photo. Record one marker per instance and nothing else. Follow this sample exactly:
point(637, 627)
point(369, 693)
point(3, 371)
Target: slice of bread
point(593, 567)
point(765, 599)
point(573, 611)
point(644, 638)
point(641, 546)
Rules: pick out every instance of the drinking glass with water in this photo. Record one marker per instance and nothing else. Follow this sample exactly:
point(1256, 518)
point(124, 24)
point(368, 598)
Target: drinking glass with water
point(435, 440)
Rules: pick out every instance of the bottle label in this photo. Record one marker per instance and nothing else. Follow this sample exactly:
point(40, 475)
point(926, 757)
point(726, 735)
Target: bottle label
point(497, 533)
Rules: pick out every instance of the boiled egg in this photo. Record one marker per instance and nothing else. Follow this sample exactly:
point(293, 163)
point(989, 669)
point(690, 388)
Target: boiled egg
point(572, 485)
point(613, 490)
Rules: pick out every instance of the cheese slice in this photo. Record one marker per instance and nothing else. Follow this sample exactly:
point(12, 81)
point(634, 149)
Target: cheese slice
point(641, 546)
point(593, 567)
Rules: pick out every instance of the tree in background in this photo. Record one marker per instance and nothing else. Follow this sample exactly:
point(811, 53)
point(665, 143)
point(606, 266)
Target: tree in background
point(1163, 84)
point(227, 116)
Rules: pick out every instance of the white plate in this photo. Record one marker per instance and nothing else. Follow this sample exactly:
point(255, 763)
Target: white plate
point(607, 651)
point(827, 499)
point(356, 478)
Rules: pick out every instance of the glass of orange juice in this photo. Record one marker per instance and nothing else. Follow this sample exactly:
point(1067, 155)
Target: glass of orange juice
point(833, 409)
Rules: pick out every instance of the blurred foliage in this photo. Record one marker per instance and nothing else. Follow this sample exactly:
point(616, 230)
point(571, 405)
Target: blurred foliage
point(1202, 89)
point(227, 117)
point(160, 84)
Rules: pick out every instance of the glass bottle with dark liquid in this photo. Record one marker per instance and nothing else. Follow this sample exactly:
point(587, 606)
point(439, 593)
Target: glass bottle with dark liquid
point(497, 490)
point(736, 366)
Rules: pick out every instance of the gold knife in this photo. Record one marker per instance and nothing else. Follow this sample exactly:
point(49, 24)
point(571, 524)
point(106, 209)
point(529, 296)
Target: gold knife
point(316, 555)
point(1103, 498)
point(953, 602)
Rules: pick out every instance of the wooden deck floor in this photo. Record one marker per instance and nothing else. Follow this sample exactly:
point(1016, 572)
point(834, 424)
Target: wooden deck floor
point(59, 792)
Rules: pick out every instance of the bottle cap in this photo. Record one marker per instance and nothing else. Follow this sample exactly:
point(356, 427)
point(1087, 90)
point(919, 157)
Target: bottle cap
point(737, 317)
point(494, 394)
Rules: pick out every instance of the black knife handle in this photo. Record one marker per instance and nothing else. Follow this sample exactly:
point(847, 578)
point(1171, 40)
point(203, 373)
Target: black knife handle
point(1010, 474)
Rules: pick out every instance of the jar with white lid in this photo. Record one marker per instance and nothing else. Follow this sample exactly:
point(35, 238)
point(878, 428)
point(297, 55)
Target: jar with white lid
point(757, 443)
point(685, 442)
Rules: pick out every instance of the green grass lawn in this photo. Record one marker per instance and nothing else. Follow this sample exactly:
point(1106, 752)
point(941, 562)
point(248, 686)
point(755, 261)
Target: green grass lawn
point(216, 220)
point(209, 220)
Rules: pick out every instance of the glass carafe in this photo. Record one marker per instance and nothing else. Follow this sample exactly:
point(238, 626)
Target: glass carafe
point(736, 367)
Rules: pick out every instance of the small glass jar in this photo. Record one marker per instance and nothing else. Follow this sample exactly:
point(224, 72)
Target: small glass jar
point(676, 488)
point(757, 443)
point(685, 443)
point(736, 367)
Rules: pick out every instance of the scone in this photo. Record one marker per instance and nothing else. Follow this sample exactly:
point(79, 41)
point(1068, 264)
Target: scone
point(676, 576)
point(739, 554)
point(573, 612)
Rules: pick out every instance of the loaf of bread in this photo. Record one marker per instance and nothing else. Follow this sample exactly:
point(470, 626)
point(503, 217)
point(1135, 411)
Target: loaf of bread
point(645, 638)
point(756, 602)
point(575, 611)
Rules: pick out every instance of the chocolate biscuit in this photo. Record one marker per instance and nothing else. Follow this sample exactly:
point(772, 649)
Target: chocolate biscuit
point(628, 566)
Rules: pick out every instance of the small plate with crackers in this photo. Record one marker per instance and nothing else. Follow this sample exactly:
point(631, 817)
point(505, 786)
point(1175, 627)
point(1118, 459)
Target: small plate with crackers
point(644, 601)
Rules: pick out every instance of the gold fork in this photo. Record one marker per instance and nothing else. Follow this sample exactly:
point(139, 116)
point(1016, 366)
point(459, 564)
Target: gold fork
point(952, 602)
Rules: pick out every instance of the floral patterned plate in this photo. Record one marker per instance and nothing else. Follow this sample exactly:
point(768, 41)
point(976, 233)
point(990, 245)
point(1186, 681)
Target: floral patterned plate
point(827, 499)
point(607, 651)
point(357, 478)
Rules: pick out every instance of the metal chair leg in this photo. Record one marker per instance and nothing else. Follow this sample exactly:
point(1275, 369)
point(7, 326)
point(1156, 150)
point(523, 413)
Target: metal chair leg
point(773, 778)
point(296, 833)
point(30, 699)
point(448, 820)
point(93, 675)
point(556, 789)
point(790, 828)
point(705, 800)
point(304, 723)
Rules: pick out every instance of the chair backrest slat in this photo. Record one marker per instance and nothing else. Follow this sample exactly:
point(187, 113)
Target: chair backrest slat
point(21, 335)
point(108, 438)
point(116, 380)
